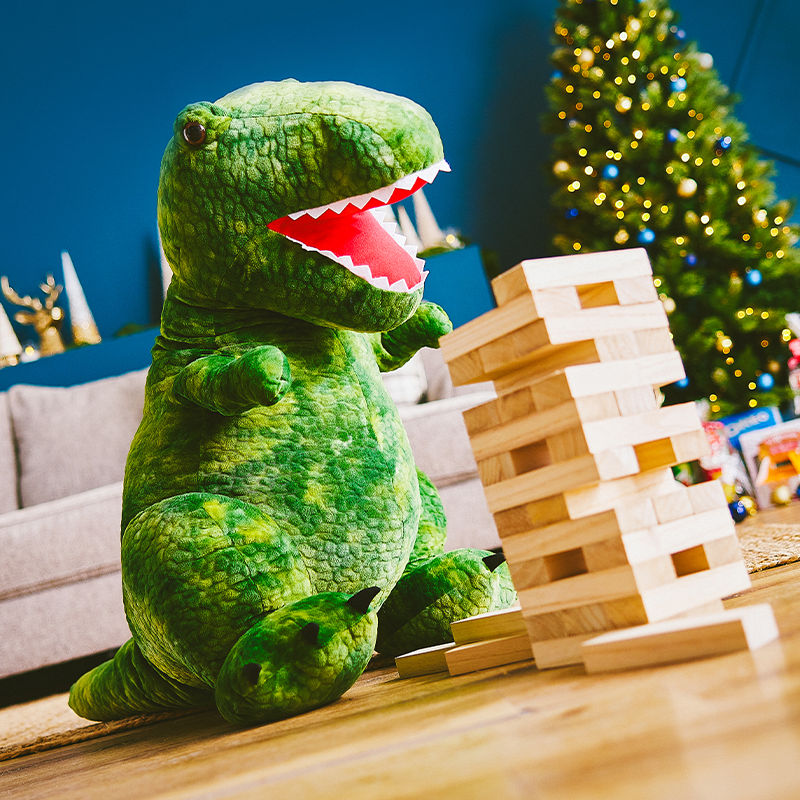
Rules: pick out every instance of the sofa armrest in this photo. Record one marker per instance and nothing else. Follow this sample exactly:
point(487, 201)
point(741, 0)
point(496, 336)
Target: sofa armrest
point(60, 541)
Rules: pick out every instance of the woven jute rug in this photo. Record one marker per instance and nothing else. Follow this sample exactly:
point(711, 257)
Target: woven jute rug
point(48, 723)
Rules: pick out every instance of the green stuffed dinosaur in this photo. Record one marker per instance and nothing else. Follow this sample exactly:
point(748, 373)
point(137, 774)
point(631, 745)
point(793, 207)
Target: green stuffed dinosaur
point(275, 528)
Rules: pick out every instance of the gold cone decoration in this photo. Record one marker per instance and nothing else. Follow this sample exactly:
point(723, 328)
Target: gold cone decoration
point(428, 229)
point(84, 331)
point(10, 348)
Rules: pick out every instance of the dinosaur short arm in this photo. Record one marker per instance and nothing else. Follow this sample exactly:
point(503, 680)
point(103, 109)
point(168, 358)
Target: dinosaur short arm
point(230, 385)
point(423, 329)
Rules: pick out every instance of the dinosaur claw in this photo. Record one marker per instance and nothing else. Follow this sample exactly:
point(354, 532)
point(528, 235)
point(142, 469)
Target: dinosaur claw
point(310, 633)
point(360, 601)
point(494, 561)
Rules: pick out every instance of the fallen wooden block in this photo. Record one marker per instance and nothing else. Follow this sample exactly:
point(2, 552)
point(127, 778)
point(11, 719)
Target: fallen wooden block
point(490, 625)
point(488, 653)
point(426, 661)
point(681, 639)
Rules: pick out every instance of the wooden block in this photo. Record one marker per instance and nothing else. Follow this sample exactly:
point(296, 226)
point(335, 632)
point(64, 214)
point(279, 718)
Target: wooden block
point(592, 323)
point(693, 590)
point(681, 534)
point(528, 573)
point(668, 452)
point(562, 652)
point(491, 625)
point(500, 322)
point(537, 542)
point(707, 496)
point(597, 587)
point(534, 426)
point(590, 618)
point(607, 554)
point(592, 377)
point(495, 469)
point(681, 639)
point(725, 550)
point(488, 653)
point(467, 369)
point(673, 505)
point(624, 291)
point(425, 661)
point(577, 270)
point(556, 478)
point(638, 429)
point(636, 401)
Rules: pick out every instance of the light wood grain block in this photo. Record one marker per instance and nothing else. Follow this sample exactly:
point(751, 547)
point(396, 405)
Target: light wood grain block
point(694, 590)
point(597, 587)
point(673, 450)
point(500, 322)
point(637, 400)
point(532, 541)
point(488, 653)
point(555, 478)
point(489, 440)
point(590, 618)
point(426, 661)
point(624, 291)
point(563, 652)
point(491, 625)
point(525, 574)
point(576, 270)
point(673, 505)
point(683, 639)
point(707, 496)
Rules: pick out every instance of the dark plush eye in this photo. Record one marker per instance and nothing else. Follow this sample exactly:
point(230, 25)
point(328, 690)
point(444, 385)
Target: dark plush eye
point(194, 133)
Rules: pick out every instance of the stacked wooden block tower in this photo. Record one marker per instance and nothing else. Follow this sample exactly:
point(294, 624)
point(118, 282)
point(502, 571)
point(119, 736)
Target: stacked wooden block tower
point(575, 454)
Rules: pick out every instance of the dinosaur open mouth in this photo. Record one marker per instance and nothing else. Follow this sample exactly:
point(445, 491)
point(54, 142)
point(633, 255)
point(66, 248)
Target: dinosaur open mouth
point(360, 234)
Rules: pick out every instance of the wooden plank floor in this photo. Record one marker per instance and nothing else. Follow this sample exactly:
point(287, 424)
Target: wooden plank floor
point(727, 727)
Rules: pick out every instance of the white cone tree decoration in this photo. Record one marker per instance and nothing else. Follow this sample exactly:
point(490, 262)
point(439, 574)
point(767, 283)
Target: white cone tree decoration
point(407, 228)
point(166, 270)
point(428, 229)
point(84, 330)
point(10, 348)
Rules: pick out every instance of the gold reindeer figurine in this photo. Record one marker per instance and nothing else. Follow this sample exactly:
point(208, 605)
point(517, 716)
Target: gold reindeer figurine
point(46, 317)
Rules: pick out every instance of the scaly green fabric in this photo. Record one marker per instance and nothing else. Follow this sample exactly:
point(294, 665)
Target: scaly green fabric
point(271, 501)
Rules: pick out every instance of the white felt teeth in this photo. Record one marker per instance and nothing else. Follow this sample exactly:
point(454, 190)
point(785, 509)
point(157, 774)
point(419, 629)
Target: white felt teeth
point(383, 195)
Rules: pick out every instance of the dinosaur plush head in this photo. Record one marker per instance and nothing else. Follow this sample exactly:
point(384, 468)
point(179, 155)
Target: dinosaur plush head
point(274, 197)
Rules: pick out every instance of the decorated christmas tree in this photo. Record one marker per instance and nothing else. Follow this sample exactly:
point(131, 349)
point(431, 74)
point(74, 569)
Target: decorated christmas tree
point(648, 152)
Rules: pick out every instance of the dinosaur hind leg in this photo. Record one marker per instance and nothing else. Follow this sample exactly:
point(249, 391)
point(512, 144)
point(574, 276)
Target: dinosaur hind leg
point(128, 684)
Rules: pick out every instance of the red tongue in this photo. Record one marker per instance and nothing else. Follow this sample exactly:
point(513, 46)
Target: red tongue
point(359, 236)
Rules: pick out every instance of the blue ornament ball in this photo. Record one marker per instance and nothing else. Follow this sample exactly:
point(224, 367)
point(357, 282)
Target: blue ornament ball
point(680, 34)
point(646, 236)
point(797, 490)
point(738, 510)
point(673, 134)
point(753, 277)
point(557, 75)
point(678, 84)
point(765, 381)
point(571, 213)
point(690, 260)
point(610, 171)
point(683, 383)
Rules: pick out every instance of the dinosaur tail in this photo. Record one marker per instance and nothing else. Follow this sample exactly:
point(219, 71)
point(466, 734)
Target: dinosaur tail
point(128, 685)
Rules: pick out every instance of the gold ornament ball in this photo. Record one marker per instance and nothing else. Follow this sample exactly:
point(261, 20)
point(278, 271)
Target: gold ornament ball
point(749, 505)
point(560, 168)
point(782, 496)
point(691, 219)
point(621, 236)
point(586, 58)
point(774, 366)
point(687, 187)
point(623, 104)
point(634, 26)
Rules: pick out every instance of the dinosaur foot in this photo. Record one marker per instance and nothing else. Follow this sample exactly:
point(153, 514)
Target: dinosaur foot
point(299, 657)
point(439, 591)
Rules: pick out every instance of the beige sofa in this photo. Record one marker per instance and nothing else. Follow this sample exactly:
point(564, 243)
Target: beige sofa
point(62, 457)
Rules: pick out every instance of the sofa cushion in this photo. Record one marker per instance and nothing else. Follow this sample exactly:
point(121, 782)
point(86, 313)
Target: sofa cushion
point(438, 380)
point(407, 384)
point(439, 437)
point(63, 541)
point(8, 460)
point(75, 438)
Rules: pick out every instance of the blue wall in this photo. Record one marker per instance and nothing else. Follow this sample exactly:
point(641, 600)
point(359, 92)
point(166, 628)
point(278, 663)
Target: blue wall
point(91, 89)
